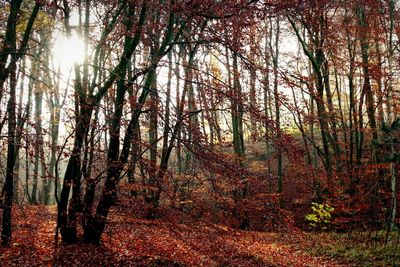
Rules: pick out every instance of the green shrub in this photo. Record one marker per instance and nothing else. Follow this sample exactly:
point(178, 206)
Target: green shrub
point(321, 215)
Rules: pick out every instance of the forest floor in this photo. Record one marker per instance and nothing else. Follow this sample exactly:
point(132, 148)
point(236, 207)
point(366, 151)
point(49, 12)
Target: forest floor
point(138, 242)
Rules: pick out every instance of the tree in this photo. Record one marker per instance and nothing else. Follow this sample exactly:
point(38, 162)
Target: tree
point(10, 52)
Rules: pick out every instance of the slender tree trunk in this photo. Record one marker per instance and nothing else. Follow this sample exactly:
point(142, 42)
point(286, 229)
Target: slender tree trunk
point(21, 119)
point(154, 194)
point(393, 165)
point(332, 115)
point(266, 87)
point(253, 93)
point(360, 139)
point(390, 104)
point(167, 104)
point(95, 224)
point(237, 110)
point(178, 78)
point(354, 133)
point(9, 53)
point(6, 232)
point(274, 47)
point(193, 127)
point(316, 58)
point(54, 133)
point(39, 156)
point(364, 44)
point(46, 83)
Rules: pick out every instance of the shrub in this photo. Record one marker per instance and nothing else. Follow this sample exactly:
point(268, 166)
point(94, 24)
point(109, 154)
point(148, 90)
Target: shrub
point(321, 215)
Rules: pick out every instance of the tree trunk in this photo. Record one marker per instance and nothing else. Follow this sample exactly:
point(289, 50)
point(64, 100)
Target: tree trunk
point(364, 44)
point(9, 53)
point(154, 193)
point(237, 110)
point(274, 48)
point(6, 232)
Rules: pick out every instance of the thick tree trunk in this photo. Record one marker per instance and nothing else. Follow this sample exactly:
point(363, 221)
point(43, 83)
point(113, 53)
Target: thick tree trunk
point(94, 226)
point(66, 216)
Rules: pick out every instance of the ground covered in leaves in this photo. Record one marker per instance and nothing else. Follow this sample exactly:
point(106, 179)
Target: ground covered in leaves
point(169, 241)
point(361, 248)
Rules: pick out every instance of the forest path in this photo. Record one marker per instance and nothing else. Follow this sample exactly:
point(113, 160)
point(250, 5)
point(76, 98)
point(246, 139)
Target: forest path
point(138, 242)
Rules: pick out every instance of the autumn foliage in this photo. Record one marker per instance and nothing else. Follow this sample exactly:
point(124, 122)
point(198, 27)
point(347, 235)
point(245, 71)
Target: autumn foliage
point(186, 133)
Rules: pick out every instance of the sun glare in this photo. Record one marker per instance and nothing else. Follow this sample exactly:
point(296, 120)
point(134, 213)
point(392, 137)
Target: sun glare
point(68, 51)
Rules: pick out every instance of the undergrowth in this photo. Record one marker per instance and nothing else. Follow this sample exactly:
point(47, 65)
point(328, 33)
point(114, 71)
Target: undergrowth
point(359, 248)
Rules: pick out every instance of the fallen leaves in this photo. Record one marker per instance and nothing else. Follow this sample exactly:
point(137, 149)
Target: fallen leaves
point(138, 242)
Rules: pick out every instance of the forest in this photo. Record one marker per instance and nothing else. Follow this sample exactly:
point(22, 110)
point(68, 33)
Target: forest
point(199, 133)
